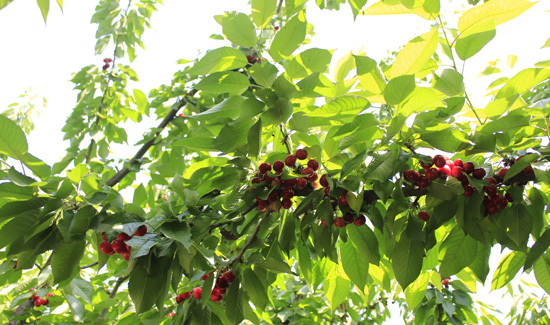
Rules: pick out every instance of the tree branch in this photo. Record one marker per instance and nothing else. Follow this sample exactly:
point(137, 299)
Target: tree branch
point(141, 152)
point(112, 295)
point(250, 240)
point(89, 265)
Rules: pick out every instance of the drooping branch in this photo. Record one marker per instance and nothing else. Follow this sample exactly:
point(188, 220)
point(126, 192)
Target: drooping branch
point(145, 147)
point(250, 240)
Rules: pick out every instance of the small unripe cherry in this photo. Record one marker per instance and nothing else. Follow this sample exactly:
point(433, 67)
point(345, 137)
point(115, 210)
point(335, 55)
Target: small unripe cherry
point(339, 222)
point(360, 220)
point(439, 161)
point(286, 203)
point(278, 165)
point(141, 231)
point(479, 173)
point(301, 154)
point(301, 182)
point(313, 164)
point(290, 160)
point(323, 180)
point(264, 167)
point(424, 215)
point(197, 293)
point(343, 201)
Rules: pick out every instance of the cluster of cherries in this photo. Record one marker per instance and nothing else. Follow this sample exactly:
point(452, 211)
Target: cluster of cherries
point(39, 301)
point(119, 245)
point(253, 59)
point(445, 282)
point(283, 189)
point(222, 282)
point(107, 65)
point(440, 166)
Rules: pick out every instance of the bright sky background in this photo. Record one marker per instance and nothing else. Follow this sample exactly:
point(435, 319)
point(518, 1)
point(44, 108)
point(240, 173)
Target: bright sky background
point(42, 57)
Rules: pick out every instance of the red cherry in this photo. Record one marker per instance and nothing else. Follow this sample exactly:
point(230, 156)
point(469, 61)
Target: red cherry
point(528, 170)
point(290, 160)
point(250, 58)
point(301, 154)
point(339, 222)
point(327, 190)
point(273, 196)
point(186, 295)
point(323, 223)
point(445, 170)
point(262, 204)
point(458, 162)
point(106, 248)
point(179, 299)
point(105, 67)
point(360, 220)
point(123, 236)
point(313, 164)
point(289, 183)
point(312, 178)
point(286, 203)
point(479, 173)
point(423, 215)
point(431, 173)
point(37, 303)
point(307, 171)
point(104, 236)
point(468, 190)
point(491, 190)
point(423, 182)
point(256, 180)
point(216, 298)
point(343, 201)
point(498, 200)
point(276, 28)
point(229, 276)
point(491, 180)
point(287, 193)
point(278, 165)
point(44, 302)
point(126, 255)
point(412, 176)
point(118, 246)
point(264, 167)
point(348, 217)
point(456, 171)
point(492, 209)
point(439, 161)
point(197, 293)
point(301, 183)
point(221, 282)
point(509, 197)
point(323, 180)
point(204, 277)
point(49, 294)
point(502, 172)
point(425, 165)
point(468, 167)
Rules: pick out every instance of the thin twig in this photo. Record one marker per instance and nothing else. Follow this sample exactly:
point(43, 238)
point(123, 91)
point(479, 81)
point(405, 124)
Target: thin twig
point(112, 295)
point(250, 240)
point(89, 265)
point(285, 140)
point(279, 6)
point(141, 152)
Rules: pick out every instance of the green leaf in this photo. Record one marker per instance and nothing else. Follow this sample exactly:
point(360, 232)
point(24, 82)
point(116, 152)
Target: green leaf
point(308, 62)
point(414, 56)
point(518, 223)
point(336, 287)
point(355, 264)
point(230, 108)
point(421, 99)
point(457, 251)
point(356, 6)
point(220, 59)
point(255, 288)
point(239, 29)
point(16, 228)
point(73, 226)
point(506, 123)
point(398, 89)
point(474, 39)
point(480, 265)
point(449, 139)
point(233, 135)
point(507, 269)
point(540, 246)
point(4, 3)
point(280, 112)
point(289, 38)
point(234, 303)
point(141, 245)
point(500, 11)
point(264, 73)
point(12, 139)
point(224, 82)
point(81, 288)
point(65, 259)
point(451, 83)
point(76, 174)
point(177, 231)
point(371, 77)
point(275, 265)
point(255, 139)
point(542, 273)
point(427, 9)
point(523, 81)
point(141, 101)
point(382, 166)
point(364, 240)
point(148, 282)
point(407, 258)
point(196, 143)
point(262, 11)
point(416, 291)
point(78, 310)
point(44, 6)
point(341, 107)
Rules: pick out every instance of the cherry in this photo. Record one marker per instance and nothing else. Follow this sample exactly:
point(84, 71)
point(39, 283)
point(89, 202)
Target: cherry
point(216, 298)
point(323, 180)
point(123, 236)
point(528, 170)
point(118, 246)
point(44, 302)
point(105, 67)
point(468, 167)
point(498, 200)
point(348, 217)
point(446, 170)
point(468, 190)
point(412, 176)
point(491, 190)
point(313, 164)
point(492, 209)
point(290, 160)
point(312, 178)
point(106, 248)
point(327, 190)
point(107, 60)
point(492, 180)
point(360, 220)
point(301, 154)
point(264, 167)
point(307, 171)
point(289, 183)
point(278, 165)
point(197, 293)
point(179, 299)
point(126, 255)
point(250, 58)
point(221, 282)
point(287, 193)
point(49, 294)
point(229, 276)
point(339, 222)
point(104, 236)
point(458, 162)
point(431, 173)
point(286, 203)
point(273, 196)
point(262, 204)
point(509, 197)
point(479, 173)
point(268, 179)
point(423, 182)
point(324, 223)
point(343, 201)
point(276, 28)
point(423, 215)
point(439, 161)
point(37, 303)
point(204, 277)
point(502, 172)
point(456, 171)
point(186, 295)
point(301, 182)
point(425, 165)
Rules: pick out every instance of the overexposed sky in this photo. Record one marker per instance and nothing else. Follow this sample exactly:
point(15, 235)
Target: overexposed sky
point(42, 57)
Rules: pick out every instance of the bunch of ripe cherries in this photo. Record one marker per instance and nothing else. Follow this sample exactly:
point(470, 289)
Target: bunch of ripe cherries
point(222, 282)
point(119, 244)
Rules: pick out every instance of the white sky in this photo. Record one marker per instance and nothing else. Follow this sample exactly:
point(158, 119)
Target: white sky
point(42, 57)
